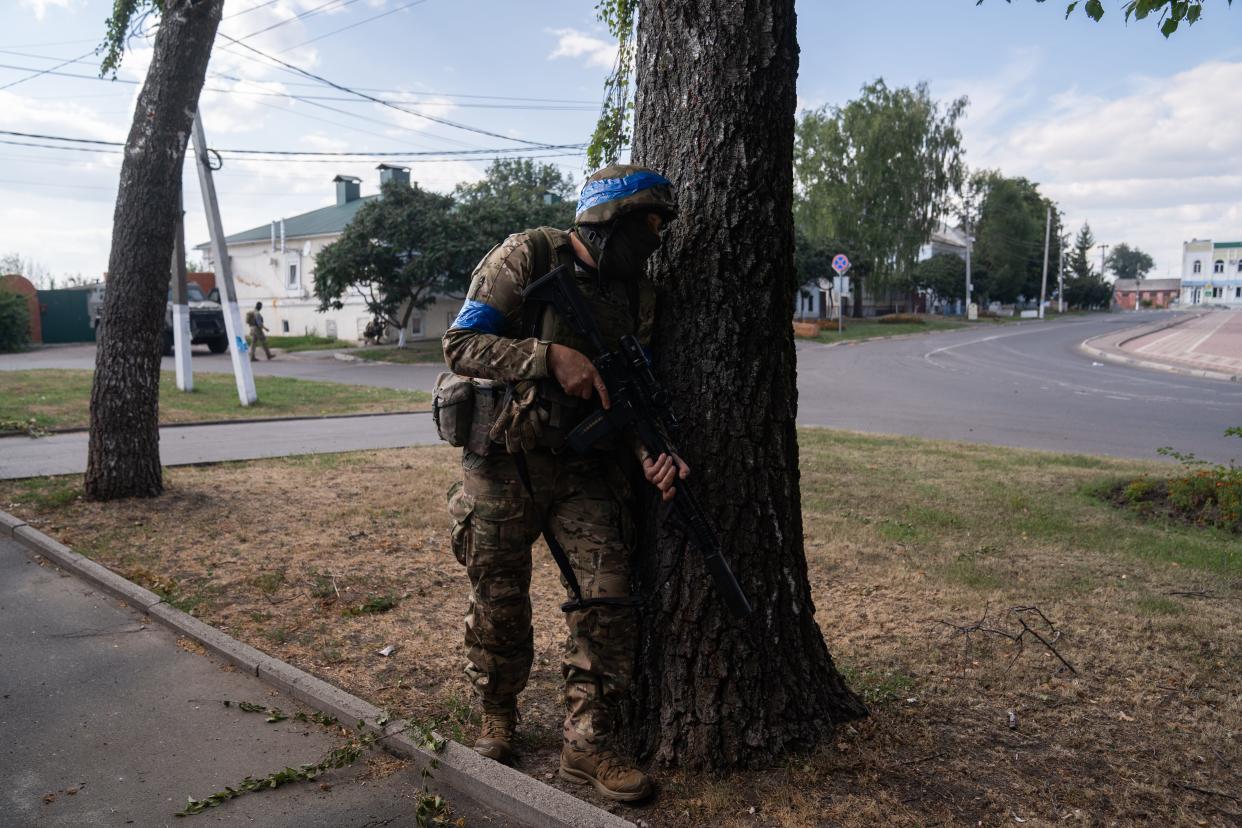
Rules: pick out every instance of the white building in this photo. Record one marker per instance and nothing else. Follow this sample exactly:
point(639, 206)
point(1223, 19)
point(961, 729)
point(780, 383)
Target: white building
point(1211, 273)
point(275, 264)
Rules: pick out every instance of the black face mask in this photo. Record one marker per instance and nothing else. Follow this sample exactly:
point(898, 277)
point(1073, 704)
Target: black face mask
point(628, 247)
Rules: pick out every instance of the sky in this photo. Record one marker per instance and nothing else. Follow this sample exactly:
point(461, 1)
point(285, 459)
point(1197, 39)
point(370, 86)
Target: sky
point(1134, 133)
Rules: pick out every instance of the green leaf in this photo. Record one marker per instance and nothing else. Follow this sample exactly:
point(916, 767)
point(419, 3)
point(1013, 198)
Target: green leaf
point(1070, 9)
point(1094, 9)
point(1168, 27)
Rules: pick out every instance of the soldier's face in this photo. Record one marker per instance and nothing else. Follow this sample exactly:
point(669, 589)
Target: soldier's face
point(655, 222)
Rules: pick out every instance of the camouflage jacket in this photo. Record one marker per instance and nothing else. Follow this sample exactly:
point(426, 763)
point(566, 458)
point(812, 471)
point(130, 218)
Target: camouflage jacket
point(487, 341)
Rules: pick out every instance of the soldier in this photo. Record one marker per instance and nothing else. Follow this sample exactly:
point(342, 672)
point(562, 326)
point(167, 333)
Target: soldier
point(258, 334)
point(519, 487)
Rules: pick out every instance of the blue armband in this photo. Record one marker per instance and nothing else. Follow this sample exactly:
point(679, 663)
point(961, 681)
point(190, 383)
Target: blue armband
point(481, 317)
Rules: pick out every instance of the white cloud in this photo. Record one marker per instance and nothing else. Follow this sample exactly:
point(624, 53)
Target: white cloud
point(40, 7)
point(1153, 166)
point(572, 43)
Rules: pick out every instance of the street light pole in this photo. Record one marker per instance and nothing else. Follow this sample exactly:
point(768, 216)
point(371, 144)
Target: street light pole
point(966, 304)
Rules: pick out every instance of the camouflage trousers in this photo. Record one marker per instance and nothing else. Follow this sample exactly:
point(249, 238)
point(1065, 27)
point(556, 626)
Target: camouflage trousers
point(586, 503)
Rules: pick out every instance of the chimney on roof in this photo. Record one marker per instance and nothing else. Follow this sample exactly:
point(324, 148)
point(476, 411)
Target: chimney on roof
point(348, 188)
point(388, 172)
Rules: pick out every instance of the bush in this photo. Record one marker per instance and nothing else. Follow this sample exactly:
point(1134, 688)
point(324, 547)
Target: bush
point(807, 329)
point(902, 319)
point(14, 322)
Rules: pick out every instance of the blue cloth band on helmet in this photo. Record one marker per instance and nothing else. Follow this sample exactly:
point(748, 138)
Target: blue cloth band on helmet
point(481, 317)
point(610, 189)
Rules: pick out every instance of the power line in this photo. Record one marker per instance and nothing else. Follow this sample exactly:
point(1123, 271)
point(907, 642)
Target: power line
point(45, 71)
point(585, 104)
point(289, 160)
point(359, 154)
point(353, 25)
point(249, 10)
point(382, 102)
point(308, 13)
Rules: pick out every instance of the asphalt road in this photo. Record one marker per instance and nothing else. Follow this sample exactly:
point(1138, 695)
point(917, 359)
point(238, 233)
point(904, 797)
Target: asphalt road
point(1024, 385)
point(97, 700)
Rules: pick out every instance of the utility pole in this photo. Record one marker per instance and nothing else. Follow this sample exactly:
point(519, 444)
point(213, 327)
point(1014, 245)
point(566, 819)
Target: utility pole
point(1104, 260)
point(224, 270)
point(1043, 282)
point(181, 308)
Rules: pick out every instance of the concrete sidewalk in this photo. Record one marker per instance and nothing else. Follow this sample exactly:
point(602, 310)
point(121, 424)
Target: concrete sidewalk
point(108, 721)
point(1207, 344)
point(185, 445)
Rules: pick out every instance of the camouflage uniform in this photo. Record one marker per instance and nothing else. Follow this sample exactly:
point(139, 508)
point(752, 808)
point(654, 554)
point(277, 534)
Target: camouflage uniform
point(585, 500)
point(258, 337)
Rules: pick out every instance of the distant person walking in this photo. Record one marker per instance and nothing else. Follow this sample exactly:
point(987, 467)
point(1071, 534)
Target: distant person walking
point(258, 335)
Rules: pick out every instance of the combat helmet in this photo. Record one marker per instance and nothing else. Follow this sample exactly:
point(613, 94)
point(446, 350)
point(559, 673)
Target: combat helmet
point(624, 188)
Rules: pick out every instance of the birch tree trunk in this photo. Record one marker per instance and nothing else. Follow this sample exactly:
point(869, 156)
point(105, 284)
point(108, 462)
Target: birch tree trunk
point(715, 113)
point(124, 454)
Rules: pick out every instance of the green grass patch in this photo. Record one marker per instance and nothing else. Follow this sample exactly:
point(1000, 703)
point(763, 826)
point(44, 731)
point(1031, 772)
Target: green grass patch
point(877, 687)
point(57, 399)
point(372, 606)
point(308, 343)
point(414, 353)
point(1159, 605)
point(976, 515)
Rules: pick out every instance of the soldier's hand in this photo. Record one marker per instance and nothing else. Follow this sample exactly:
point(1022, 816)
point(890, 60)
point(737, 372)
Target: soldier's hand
point(576, 374)
point(663, 471)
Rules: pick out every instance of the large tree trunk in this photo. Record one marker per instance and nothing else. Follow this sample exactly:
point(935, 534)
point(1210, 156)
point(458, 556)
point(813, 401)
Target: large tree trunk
point(715, 112)
point(124, 455)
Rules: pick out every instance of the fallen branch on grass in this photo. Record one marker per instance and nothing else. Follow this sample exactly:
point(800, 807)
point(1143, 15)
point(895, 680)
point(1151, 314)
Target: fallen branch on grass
point(1205, 791)
point(1024, 617)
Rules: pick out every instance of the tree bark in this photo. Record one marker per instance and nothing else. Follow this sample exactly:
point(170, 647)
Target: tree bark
point(124, 454)
point(715, 112)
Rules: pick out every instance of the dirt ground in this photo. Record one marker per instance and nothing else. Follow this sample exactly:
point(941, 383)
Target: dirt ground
point(324, 560)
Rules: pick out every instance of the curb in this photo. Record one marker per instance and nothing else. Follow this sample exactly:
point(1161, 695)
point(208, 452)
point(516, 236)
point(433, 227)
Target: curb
point(1134, 333)
point(458, 770)
point(245, 421)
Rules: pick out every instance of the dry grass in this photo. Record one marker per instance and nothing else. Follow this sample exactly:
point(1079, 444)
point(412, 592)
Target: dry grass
point(901, 533)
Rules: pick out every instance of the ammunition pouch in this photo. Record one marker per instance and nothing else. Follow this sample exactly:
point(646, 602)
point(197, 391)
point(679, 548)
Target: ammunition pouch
point(464, 410)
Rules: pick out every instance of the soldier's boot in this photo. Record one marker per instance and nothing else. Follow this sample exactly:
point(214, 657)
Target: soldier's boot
point(496, 733)
point(612, 776)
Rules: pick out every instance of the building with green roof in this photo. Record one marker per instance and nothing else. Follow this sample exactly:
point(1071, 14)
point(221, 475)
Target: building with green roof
point(275, 264)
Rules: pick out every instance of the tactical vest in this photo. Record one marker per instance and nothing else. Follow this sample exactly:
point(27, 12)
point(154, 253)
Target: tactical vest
point(618, 306)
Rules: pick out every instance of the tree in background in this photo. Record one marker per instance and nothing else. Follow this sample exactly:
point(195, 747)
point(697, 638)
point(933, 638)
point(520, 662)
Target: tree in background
point(1084, 287)
point(1009, 237)
point(876, 174)
point(14, 321)
point(123, 458)
point(715, 113)
point(944, 275)
point(1128, 262)
point(398, 252)
point(38, 274)
point(515, 194)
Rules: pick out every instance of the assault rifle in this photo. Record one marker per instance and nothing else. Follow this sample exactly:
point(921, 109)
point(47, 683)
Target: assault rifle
point(639, 406)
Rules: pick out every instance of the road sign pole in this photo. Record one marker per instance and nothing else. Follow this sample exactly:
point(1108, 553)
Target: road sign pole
point(181, 309)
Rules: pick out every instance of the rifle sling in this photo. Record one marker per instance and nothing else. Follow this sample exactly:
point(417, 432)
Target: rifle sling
point(562, 559)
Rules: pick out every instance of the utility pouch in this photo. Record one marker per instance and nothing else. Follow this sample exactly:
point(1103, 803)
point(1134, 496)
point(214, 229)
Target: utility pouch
point(489, 401)
point(452, 408)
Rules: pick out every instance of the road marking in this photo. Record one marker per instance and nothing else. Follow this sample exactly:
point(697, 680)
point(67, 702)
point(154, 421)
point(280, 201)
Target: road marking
point(1210, 334)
